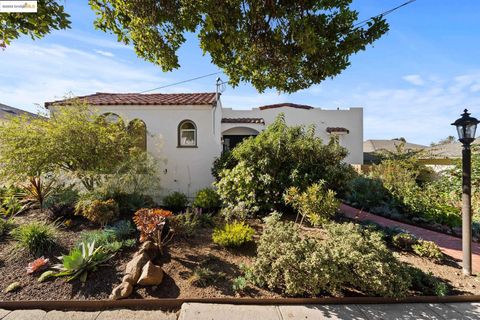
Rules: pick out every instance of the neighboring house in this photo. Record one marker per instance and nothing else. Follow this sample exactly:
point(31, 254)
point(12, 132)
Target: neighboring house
point(194, 129)
point(7, 112)
point(372, 147)
point(444, 156)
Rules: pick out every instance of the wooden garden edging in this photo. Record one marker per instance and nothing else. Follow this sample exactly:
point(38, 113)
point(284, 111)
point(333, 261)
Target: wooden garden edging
point(170, 304)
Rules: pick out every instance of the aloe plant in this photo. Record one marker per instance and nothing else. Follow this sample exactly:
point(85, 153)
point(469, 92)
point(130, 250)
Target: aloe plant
point(79, 262)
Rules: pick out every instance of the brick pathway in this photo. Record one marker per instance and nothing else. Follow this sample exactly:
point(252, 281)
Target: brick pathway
point(449, 245)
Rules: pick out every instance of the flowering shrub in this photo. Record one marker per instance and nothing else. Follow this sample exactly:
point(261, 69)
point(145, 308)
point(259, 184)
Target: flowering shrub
point(38, 264)
point(151, 224)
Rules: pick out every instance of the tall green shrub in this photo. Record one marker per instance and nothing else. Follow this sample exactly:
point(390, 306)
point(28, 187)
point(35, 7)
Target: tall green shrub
point(278, 158)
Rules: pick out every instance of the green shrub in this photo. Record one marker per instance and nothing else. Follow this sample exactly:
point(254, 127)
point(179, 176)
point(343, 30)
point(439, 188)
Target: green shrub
point(404, 241)
point(316, 204)
point(107, 239)
point(188, 223)
point(233, 234)
point(35, 237)
point(367, 192)
point(278, 158)
point(97, 210)
point(238, 212)
point(207, 199)
point(428, 249)
point(349, 257)
point(426, 284)
point(225, 161)
point(175, 201)
point(121, 230)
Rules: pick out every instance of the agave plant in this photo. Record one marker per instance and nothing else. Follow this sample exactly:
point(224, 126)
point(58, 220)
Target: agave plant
point(79, 262)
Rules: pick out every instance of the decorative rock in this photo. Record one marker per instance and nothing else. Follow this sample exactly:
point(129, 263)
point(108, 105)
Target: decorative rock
point(149, 248)
point(152, 275)
point(124, 289)
point(134, 267)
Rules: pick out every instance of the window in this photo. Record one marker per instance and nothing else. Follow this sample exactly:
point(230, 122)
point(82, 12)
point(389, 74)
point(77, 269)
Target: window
point(111, 117)
point(187, 134)
point(138, 129)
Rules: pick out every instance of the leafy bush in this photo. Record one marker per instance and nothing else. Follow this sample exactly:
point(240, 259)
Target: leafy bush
point(121, 230)
point(97, 210)
point(317, 204)
point(62, 201)
point(428, 249)
point(238, 212)
point(233, 234)
point(79, 262)
point(187, 224)
point(35, 237)
point(367, 192)
point(225, 161)
point(207, 199)
point(349, 257)
point(426, 284)
point(404, 241)
point(11, 202)
point(278, 158)
point(176, 201)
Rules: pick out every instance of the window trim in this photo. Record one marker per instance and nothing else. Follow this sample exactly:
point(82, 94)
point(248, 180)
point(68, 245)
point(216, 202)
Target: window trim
point(179, 134)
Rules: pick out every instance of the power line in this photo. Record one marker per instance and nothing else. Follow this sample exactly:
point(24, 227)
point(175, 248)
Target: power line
point(383, 14)
point(180, 82)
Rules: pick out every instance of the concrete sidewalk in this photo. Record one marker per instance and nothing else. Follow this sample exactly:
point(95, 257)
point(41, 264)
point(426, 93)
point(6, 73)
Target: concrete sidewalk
point(205, 311)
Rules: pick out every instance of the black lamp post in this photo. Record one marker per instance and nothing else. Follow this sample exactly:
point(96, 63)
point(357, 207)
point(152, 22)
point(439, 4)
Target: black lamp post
point(466, 127)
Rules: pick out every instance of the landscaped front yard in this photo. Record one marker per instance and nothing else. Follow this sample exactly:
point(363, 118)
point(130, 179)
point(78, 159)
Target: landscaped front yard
point(269, 228)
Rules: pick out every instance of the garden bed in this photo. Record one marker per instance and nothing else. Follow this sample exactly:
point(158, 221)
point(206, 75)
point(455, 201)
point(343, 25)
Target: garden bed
point(181, 259)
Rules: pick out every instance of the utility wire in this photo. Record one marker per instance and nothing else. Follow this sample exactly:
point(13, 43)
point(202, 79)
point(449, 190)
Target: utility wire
point(184, 81)
point(355, 26)
point(383, 14)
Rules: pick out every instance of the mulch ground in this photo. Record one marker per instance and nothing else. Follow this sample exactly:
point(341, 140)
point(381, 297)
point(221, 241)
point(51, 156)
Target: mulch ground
point(183, 256)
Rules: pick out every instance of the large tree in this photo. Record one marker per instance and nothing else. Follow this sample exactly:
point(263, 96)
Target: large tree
point(286, 45)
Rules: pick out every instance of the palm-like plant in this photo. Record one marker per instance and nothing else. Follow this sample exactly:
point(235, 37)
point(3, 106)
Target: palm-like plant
point(79, 262)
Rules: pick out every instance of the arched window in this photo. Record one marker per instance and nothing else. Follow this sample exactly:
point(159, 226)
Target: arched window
point(111, 117)
point(138, 129)
point(187, 134)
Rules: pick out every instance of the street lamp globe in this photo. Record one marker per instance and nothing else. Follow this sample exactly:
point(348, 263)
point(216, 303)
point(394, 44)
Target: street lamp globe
point(466, 127)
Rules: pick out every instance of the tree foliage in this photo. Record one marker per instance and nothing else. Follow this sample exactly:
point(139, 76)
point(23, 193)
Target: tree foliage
point(74, 140)
point(287, 45)
point(50, 16)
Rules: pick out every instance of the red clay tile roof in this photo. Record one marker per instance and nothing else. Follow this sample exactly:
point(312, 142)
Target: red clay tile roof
point(101, 99)
point(337, 129)
point(291, 105)
point(243, 120)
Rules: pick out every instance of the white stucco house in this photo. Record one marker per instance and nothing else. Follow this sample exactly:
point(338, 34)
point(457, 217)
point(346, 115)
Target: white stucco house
point(187, 131)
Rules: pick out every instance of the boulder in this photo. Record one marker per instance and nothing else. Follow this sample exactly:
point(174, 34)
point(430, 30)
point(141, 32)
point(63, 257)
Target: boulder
point(152, 275)
point(124, 289)
point(134, 267)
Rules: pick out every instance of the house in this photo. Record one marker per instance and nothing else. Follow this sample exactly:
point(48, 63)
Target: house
point(373, 147)
point(6, 112)
point(444, 156)
point(189, 130)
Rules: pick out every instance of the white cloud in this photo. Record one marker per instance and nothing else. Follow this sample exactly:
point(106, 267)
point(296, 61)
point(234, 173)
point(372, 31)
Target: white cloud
point(414, 79)
point(34, 74)
point(104, 53)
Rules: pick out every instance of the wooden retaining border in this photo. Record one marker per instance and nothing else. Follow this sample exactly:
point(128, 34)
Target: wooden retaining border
point(175, 304)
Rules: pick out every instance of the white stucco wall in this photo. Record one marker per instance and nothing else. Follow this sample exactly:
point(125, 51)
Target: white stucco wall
point(182, 169)
point(351, 119)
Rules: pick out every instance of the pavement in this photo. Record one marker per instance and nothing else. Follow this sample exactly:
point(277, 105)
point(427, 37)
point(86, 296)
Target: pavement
point(451, 246)
point(204, 311)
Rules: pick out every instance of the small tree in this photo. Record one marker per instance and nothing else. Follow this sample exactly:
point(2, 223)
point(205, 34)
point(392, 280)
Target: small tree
point(74, 141)
point(279, 158)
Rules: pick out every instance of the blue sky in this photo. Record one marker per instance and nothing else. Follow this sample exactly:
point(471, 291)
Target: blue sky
point(412, 83)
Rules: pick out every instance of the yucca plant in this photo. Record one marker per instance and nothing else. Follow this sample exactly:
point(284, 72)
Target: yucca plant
point(79, 262)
